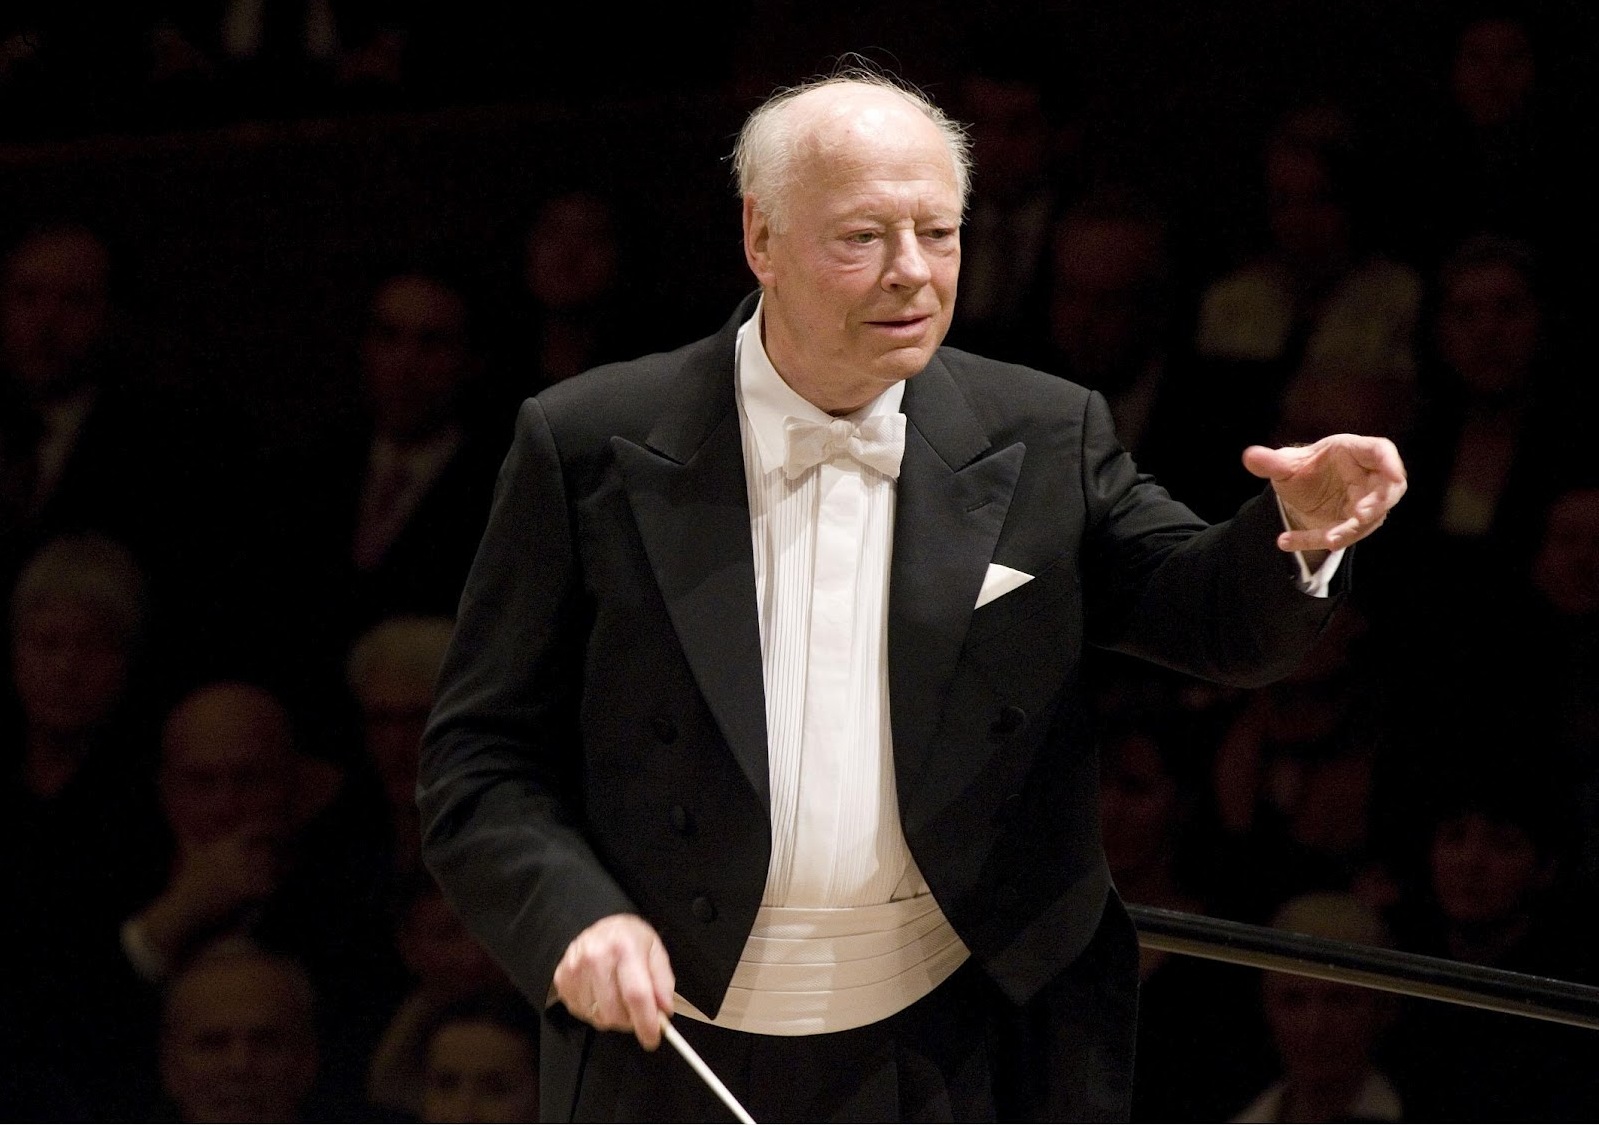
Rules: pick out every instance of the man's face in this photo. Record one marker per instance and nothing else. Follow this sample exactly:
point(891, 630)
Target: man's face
point(237, 1044)
point(1489, 327)
point(1101, 309)
point(1324, 1032)
point(480, 1071)
point(226, 767)
point(69, 666)
point(1485, 870)
point(1494, 71)
point(860, 281)
point(53, 306)
point(414, 357)
point(572, 255)
point(1566, 570)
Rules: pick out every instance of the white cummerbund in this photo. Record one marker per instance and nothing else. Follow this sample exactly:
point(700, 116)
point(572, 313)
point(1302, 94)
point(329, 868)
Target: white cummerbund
point(811, 971)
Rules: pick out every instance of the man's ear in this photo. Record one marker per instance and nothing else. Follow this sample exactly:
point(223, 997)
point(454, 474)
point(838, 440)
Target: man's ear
point(757, 240)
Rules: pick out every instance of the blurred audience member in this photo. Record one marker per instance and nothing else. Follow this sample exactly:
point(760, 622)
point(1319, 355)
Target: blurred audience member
point(1199, 1051)
point(1106, 314)
point(446, 966)
point(78, 619)
point(269, 58)
point(252, 857)
point(77, 803)
point(1297, 780)
point(1317, 299)
point(86, 445)
point(239, 1037)
point(1326, 1034)
point(576, 280)
point(391, 672)
point(390, 506)
point(1023, 139)
point(483, 1062)
point(1318, 310)
point(1501, 431)
point(1495, 869)
point(1498, 158)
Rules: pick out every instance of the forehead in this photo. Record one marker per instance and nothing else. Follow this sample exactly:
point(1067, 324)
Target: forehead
point(413, 299)
point(480, 1045)
point(226, 731)
point(249, 993)
point(68, 255)
point(851, 136)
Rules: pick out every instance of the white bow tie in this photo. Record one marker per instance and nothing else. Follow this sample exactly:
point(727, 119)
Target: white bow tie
point(878, 442)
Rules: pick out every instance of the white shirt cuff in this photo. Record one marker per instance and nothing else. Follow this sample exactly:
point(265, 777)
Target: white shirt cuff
point(1318, 583)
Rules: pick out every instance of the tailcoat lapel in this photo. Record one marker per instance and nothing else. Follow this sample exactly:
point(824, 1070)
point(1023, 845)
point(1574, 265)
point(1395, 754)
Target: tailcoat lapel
point(954, 493)
point(687, 490)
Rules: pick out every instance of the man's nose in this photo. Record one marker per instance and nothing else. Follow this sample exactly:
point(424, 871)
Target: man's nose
point(907, 266)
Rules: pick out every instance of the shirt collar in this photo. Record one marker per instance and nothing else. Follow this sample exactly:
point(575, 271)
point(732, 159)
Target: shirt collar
point(768, 402)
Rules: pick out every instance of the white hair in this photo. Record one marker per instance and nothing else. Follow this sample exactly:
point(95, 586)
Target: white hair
point(766, 155)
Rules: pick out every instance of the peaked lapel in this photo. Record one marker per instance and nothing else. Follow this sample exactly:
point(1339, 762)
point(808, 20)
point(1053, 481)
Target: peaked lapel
point(687, 490)
point(953, 496)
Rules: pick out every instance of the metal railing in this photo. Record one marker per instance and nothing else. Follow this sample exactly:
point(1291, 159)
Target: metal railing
point(1389, 970)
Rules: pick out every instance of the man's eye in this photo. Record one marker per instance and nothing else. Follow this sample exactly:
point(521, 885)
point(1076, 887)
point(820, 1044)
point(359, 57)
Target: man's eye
point(939, 234)
point(863, 237)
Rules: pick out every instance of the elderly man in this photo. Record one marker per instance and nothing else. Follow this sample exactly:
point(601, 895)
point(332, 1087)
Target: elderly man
point(762, 706)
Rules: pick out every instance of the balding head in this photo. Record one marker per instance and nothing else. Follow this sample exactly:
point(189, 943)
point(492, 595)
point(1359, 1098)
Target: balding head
point(858, 269)
point(238, 1037)
point(226, 760)
point(54, 304)
point(788, 128)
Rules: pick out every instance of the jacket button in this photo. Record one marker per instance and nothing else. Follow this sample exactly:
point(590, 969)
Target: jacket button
point(682, 821)
point(1009, 721)
point(665, 729)
point(1006, 896)
point(703, 909)
point(1010, 810)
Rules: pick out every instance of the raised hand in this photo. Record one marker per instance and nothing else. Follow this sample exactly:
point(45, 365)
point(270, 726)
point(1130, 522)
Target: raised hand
point(1335, 491)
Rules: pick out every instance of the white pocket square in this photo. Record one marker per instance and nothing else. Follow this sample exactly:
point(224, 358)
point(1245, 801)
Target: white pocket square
point(1000, 580)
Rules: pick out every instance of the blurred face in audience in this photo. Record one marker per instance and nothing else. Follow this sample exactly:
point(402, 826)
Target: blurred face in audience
point(1138, 806)
point(1494, 71)
point(1485, 870)
point(1009, 131)
point(1101, 306)
point(226, 767)
point(445, 959)
point(572, 252)
point(238, 1042)
point(1489, 326)
point(480, 1071)
point(1308, 224)
point(53, 308)
point(415, 357)
point(1566, 570)
point(69, 665)
point(394, 713)
point(1324, 1032)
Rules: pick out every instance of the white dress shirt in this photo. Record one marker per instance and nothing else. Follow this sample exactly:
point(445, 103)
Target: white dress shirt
point(848, 932)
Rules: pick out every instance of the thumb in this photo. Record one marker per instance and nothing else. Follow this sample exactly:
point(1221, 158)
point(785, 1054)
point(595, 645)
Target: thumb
point(1272, 464)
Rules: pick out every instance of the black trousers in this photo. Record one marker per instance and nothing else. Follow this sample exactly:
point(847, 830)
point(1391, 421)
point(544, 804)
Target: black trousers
point(964, 1052)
